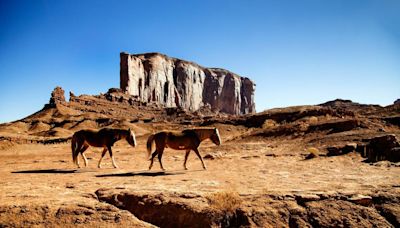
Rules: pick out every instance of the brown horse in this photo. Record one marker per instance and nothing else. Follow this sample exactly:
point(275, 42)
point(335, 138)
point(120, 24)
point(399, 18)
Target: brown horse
point(188, 140)
point(105, 138)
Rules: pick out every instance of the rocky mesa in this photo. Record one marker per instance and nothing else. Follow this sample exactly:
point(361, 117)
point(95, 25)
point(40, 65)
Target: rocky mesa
point(171, 82)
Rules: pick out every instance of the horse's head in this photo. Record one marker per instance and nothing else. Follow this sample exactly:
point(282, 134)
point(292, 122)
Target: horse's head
point(215, 137)
point(131, 138)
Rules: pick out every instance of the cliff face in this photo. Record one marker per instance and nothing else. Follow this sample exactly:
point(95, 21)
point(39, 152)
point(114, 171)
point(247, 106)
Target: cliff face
point(154, 77)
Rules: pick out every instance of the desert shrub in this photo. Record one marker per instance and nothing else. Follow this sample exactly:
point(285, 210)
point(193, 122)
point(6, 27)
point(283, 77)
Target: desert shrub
point(312, 150)
point(303, 126)
point(227, 201)
point(313, 120)
point(313, 153)
point(268, 123)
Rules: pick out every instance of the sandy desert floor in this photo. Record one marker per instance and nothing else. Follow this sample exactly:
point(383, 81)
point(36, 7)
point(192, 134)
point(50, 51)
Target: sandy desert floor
point(36, 174)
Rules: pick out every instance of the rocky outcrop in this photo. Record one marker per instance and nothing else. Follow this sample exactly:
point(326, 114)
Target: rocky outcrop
point(257, 210)
point(57, 97)
point(386, 147)
point(171, 82)
point(82, 214)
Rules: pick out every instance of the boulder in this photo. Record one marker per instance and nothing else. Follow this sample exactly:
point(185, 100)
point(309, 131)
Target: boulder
point(361, 200)
point(384, 147)
point(341, 149)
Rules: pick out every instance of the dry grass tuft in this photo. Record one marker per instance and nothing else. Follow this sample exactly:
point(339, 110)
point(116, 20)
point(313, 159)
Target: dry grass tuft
point(227, 201)
point(268, 123)
point(313, 120)
point(312, 150)
point(313, 153)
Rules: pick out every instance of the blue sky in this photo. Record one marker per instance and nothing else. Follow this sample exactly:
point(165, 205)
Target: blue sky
point(297, 52)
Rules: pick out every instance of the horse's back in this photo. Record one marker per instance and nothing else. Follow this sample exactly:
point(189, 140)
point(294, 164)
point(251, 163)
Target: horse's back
point(82, 134)
point(91, 137)
point(186, 139)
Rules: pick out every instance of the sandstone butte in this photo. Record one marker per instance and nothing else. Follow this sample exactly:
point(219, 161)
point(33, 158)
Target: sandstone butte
point(171, 82)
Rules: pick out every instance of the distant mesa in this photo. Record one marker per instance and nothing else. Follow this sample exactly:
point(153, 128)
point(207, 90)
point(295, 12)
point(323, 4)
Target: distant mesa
point(171, 82)
point(397, 102)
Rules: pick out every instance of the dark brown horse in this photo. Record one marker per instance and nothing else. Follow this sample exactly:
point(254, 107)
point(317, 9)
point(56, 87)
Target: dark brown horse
point(188, 140)
point(105, 138)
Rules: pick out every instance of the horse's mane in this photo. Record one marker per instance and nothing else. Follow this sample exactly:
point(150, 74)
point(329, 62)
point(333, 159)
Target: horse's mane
point(203, 133)
point(116, 130)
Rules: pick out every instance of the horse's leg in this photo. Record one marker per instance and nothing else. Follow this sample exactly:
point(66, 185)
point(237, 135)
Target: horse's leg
point(77, 154)
point(153, 155)
point(84, 159)
point(159, 158)
point(201, 159)
point(112, 157)
point(77, 162)
point(102, 155)
point(85, 146)
point(79, 145)
point(186, 157)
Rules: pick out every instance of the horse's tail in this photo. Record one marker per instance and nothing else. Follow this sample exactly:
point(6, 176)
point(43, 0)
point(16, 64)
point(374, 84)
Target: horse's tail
point(74, 148)
point(150, 144)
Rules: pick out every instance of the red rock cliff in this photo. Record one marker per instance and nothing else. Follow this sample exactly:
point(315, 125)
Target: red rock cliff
point(172, 82)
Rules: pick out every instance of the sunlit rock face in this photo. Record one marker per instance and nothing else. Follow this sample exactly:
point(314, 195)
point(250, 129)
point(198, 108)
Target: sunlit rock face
point(57, 97)
point(171, 82)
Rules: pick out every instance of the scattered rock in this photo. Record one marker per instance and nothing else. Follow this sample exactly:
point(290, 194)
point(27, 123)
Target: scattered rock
point(341, 150)
point(349, 147)
point(310, 156)
point(361, 200)
point(333, 151)
point(384, 147)
point(270, 155)
point(70, 185)
point(303, 198)
point(189, 195)
point(213, 156)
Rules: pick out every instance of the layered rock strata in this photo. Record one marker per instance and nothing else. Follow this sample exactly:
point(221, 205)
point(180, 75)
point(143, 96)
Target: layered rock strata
point(172, 82)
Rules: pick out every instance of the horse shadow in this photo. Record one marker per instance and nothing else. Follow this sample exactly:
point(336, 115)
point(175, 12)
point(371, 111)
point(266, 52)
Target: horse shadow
point(54, 171)
point(48, 171)
point(144, 174)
